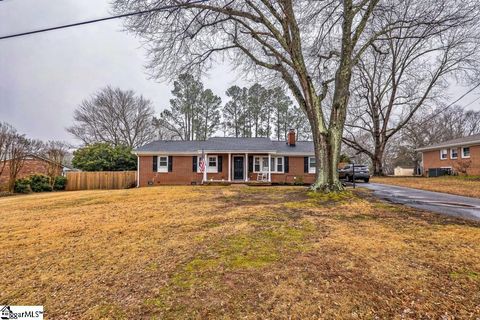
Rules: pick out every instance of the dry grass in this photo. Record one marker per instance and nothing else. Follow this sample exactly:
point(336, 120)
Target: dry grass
point(468, 186)
point(235, 252)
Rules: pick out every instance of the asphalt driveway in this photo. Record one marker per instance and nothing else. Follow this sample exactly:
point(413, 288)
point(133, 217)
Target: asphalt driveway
point(458, 206)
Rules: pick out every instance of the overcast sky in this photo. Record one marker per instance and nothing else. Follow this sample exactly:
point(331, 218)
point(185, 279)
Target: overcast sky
point(43, 77)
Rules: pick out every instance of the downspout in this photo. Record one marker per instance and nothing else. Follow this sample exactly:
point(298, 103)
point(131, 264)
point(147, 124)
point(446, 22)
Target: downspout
point(138, 170)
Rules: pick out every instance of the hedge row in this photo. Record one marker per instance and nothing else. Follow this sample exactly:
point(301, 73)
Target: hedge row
point(39, 183)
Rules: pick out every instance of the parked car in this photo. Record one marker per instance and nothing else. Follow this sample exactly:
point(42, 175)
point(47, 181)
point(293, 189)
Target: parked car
point(361, 172)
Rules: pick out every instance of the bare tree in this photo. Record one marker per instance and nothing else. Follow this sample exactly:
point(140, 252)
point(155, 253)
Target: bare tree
point(19, 149)
point(114, 116)
point(6, 136)
point(406, 72)
point(312, 45)
point(55, 152)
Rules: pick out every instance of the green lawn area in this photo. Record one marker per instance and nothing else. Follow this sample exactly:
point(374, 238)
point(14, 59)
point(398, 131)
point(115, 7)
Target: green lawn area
point(468, 186)
point(195, 252)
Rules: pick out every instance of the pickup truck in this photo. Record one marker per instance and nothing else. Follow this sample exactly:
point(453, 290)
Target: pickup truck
point(361, 172)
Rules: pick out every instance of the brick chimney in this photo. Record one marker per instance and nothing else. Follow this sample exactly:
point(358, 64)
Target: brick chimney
point(291, 138)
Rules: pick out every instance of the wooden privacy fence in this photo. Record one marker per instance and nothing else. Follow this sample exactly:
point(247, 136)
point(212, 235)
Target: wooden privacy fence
point(101, 180)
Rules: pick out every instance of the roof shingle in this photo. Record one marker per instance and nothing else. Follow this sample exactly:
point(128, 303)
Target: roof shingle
point(224, 144)
point(465, 141)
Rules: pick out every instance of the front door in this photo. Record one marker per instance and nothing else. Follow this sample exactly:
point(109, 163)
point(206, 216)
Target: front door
point(238, 168)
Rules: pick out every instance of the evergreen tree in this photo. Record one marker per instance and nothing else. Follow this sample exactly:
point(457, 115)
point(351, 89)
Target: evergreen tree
point(194, 112)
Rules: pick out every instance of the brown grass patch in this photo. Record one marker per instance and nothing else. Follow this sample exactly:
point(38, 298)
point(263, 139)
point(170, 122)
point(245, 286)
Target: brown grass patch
point(459, 185)
point(229, 252)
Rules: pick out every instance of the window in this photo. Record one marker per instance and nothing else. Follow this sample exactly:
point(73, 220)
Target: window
point(443, 154)
point(280, 164)
point(264, 164)
point(162, 164)
point(466, 152)
point(256, 162)
point(453, 153)
point(212, 164)
point(261, 164)
point(312, 165)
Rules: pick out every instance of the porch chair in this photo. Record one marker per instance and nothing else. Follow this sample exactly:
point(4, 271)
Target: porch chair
point(262, 176)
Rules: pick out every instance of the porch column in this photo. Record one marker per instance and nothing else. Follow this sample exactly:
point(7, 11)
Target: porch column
point(206, 167)
point(246, 167)
point(229, 167)
point(269, 168)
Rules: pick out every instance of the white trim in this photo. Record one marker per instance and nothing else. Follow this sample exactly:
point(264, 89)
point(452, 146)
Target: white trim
point(229, 167)
point(441, 154)
point(212, 169)
point(246, 167)
point(205, 176)
point(451, 154)
point(262, 169)
point(269, 167)
point(208, 169)
point(469, 152)
point(310, 168)
point(162, 168)
point(457, 144)
point(157, 153)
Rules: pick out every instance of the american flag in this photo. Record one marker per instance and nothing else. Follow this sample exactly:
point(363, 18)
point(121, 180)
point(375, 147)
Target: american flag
point(202, 162)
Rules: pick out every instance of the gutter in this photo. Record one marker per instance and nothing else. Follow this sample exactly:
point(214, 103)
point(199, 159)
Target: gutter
point(458, 144)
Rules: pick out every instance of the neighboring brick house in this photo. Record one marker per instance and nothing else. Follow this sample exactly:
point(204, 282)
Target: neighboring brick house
point(32, 165)
point(227, 160)
point(457, 155)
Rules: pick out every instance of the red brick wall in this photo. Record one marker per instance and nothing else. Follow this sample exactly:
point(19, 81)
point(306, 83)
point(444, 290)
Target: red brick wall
point(30, 167)
point(431, 159)
point(182, 172)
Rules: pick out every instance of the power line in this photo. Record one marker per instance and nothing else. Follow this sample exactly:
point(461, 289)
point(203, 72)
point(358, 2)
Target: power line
point(100, 19)
point(451, 104)
point(469, 104)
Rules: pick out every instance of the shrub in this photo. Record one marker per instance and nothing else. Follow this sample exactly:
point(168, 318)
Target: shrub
point(39, 183)
point(6, 194)
point(59, 183)
point(104, 157)
point(22, 186)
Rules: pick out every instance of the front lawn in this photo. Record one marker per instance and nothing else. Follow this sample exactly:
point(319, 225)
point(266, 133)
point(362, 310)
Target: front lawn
point(468, 186)
point(235, 252)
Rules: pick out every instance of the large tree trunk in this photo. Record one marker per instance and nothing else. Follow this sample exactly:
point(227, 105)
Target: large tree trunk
point(377, 157)
point(327, 149)
point(327, 144)
point(377, 165)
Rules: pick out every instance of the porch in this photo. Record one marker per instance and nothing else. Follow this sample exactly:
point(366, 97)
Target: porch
point(254, 168)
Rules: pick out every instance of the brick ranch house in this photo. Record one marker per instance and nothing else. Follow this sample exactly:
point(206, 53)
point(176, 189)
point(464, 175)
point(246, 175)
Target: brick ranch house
point(32, 164)
point(227, 160)
point(455, 155)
